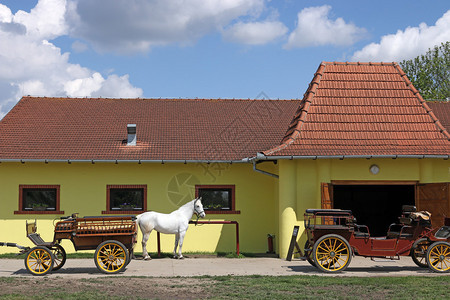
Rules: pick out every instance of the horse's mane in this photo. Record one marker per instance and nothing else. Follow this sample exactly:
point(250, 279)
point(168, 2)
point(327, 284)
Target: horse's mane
point(187, 205)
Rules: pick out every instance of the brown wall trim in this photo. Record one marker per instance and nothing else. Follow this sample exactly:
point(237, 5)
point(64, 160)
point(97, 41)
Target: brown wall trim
point(373, 182)
point(57, 210)
point(233, 210)
point(125, 186)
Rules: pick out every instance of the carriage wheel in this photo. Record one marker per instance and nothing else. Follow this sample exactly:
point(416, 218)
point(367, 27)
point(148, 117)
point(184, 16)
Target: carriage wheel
point(332, 253)
point(129, 257)
point(438, 257)
point(308, 254)
point(59, 255)
point(419, 251)
point(111, 257)
point(39, 261)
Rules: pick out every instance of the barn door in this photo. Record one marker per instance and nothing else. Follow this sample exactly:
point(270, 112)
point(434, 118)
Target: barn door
point(435, 198)
point(327, 201)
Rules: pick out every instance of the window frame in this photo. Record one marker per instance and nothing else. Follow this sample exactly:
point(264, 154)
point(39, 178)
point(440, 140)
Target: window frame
point(57, 210)
point(125, 186)
point(216, 186)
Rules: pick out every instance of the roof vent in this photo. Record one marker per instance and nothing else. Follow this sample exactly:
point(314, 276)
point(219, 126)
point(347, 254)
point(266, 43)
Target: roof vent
point(131, 139)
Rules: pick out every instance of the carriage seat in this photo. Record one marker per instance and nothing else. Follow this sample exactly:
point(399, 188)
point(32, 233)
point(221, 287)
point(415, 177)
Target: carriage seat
point(360, 231)
point(406, 217)
point(443, 232)
point(36, 239)
point(396, 231)
point(405, 220)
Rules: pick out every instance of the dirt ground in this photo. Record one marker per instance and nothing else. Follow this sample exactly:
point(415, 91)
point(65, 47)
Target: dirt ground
point(121, 287)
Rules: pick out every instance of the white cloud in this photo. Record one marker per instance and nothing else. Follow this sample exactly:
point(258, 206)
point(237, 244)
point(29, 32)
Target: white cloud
point(407, 44)
point(31, 65)
point(45, 21)
point(117, 87)
point(84, 86)
point(315, 28)
point(5, 14)
point(135, 26)
point(255, 33)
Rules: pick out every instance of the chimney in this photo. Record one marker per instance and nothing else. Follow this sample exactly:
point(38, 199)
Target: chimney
point(131, 130)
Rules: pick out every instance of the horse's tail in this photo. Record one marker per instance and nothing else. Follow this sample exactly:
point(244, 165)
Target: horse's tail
point(137, 221)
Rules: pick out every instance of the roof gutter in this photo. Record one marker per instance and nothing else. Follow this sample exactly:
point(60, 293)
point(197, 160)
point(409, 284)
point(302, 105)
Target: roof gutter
point(116, 161)
point(261, 156)
point(262, 171)
point(258, 157)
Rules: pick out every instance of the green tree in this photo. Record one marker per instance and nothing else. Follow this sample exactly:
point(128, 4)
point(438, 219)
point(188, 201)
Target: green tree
point(430, 72)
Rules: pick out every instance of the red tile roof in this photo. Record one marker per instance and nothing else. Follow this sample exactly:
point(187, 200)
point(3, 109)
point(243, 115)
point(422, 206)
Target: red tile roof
point(442, 111)
point(362, 109)
point(167, 129)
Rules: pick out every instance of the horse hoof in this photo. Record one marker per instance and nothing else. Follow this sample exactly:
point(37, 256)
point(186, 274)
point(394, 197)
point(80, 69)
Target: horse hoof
point(147, 258)
point(181, 257)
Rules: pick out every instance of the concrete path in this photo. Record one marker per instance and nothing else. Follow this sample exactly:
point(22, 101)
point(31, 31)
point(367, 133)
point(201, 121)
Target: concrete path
point(166, 267)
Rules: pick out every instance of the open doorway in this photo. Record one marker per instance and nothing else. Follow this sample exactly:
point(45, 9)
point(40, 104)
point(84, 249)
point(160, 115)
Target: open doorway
point(376, 206)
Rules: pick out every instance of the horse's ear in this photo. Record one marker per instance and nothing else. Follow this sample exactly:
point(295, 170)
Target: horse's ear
point(200, 198)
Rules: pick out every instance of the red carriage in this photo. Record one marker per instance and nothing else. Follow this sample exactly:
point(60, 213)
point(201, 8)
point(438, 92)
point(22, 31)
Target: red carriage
point(334, 237)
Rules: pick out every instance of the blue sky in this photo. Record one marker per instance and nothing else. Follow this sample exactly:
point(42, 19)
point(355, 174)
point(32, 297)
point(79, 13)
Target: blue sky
point(200, 49)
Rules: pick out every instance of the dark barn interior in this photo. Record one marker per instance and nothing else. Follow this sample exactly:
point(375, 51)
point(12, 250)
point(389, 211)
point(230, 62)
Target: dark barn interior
point(376, 206)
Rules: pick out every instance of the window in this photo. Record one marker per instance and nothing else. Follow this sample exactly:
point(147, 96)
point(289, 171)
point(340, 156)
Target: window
point(217, 199)
point(126, 199)
point(39, 199)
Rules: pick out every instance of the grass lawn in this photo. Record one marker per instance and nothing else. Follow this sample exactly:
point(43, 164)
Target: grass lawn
point(316, 287)
point(227, 287)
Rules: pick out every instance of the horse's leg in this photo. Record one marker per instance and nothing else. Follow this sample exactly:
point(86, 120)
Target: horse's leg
point(132, 256)
point(180, 256)
point(177, 237)
point(145, 237)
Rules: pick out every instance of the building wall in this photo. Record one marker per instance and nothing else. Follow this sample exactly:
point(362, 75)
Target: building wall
point(83, 190)
point(267, 205)
point(300, 184)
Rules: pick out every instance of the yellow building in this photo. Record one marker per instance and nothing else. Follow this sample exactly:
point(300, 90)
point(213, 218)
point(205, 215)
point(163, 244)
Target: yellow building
point(362, 138)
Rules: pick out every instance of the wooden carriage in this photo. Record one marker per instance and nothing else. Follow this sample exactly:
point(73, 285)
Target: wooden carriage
point(111, 237)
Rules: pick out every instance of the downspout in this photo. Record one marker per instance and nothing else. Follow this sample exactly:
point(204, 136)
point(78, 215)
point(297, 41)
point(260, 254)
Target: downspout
point(262, 171)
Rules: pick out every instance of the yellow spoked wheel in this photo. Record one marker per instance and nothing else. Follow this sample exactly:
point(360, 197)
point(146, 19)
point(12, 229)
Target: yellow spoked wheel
point(39, 261)
point(59, 256)
point(438, 257)
point(332, 253)
point(419, 251)
point(111, 257)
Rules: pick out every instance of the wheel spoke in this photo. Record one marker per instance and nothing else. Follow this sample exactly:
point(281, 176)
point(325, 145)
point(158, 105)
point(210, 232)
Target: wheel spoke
point(344, 249)
point(339, 246)
point(326, 245)
point(326, 250)
point(445, 263)
point(337, 264)
point(334, 244)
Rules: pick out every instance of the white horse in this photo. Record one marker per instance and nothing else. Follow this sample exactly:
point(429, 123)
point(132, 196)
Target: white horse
point(174, 223)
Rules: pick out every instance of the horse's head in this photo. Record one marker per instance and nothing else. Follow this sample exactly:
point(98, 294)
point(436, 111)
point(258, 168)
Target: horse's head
point(198, 208)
